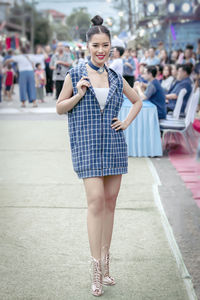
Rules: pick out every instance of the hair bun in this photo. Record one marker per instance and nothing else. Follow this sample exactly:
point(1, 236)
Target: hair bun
point(97, 21)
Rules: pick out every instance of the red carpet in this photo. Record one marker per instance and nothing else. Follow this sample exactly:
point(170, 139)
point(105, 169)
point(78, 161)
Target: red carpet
point(189, 169)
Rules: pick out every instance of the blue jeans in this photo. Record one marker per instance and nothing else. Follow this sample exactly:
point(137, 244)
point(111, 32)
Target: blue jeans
point(27, 85)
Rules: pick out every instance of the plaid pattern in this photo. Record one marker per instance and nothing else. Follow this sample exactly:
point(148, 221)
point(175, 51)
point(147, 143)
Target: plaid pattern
point(96, 148)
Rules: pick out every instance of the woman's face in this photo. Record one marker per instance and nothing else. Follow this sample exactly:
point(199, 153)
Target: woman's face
point(163, 54)
point(166, 71)
point(174, 55)
point(99, 48)
point(174, 71)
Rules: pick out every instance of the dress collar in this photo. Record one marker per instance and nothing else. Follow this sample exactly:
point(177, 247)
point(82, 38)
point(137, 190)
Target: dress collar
point(112, 79)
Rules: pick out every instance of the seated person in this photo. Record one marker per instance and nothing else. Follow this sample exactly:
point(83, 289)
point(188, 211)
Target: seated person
point(159, 75)
point(154, 92)
point(141, 73)
point(174, 72)
point(167, 78)
point(184, 81)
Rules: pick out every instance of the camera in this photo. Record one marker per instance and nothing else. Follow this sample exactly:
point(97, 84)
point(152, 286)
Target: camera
point(58, 69)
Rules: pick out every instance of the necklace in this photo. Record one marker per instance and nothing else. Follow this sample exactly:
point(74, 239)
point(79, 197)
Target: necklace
point(99, 70)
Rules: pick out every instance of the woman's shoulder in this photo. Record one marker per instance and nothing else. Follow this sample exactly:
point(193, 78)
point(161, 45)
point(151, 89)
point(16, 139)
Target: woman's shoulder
point(76, 72)
point(115, 75)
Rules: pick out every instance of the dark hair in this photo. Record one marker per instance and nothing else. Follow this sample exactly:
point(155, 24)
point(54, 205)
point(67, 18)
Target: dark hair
point(152, 70)
point(82, 54)
point(177, 66)
point(190, 47)
point(10, 51)
point(23, 50)
point(159, 68)
point(97, 28)
point(187, 68)
point(37, 65)
point(120, 50)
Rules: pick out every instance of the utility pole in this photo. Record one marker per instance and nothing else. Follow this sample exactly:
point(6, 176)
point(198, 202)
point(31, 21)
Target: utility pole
point(32, 26)
point(130, 16)
point(23, 18)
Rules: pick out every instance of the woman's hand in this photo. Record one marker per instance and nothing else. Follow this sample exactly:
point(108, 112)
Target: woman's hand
point(82, 86)
point(117, 124)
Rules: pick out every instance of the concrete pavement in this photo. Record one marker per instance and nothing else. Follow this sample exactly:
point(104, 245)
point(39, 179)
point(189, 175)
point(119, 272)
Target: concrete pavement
point(44, 246)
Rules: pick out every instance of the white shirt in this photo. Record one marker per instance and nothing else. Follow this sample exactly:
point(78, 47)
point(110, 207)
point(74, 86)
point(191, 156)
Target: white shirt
point(117, 65)
point(102, 95)
point(39, 58)
point(166, 83)
point(24, 63)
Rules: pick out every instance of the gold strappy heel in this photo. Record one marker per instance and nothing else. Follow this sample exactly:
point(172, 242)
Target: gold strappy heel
point(96, 277)
point(106, 278)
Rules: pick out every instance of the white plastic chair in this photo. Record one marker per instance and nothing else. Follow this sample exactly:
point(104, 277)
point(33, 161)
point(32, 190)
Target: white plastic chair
point(176, 112)
point(183, 125)
point(190, 99)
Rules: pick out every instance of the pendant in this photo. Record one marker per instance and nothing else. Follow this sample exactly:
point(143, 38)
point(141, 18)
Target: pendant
point(100, 70)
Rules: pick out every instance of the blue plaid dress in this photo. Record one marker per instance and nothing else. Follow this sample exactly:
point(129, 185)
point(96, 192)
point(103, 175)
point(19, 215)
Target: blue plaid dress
point(96, 148)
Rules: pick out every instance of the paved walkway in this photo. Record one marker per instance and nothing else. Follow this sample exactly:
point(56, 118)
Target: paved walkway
point(43, 234)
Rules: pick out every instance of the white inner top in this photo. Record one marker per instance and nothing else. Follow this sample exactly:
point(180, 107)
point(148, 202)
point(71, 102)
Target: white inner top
point(102, 95)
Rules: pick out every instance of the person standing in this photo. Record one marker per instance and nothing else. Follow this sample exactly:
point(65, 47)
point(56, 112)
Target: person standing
point(128, 67)
point(9, 79)
point(1, 68)
point(92, 95)
point(117, 63)
point(40, 81)
point(26, 64)
point(60, 64)
point(49, 72)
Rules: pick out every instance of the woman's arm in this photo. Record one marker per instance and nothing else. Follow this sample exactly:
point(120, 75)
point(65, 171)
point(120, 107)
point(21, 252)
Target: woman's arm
point(65, 100)
point(132, 95)
point(8, 61)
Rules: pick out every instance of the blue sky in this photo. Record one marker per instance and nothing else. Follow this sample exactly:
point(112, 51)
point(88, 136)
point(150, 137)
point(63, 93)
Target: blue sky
point(101, 7)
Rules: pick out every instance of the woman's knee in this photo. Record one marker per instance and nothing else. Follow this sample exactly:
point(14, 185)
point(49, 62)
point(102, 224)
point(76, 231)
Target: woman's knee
point(96, 204)
point(110, 201)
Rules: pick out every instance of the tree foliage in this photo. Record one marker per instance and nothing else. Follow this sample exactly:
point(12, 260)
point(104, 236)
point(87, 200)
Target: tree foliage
point(62, 32)
point(43, 31)
point(78, 23)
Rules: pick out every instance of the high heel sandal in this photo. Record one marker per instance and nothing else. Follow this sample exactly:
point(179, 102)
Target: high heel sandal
point(106, 278)
point(96, 277)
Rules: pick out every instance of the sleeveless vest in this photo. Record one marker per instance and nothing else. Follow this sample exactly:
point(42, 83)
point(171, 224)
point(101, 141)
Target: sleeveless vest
point(96, 148)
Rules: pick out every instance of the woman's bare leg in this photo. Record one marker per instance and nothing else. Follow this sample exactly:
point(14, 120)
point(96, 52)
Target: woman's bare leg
point(94, 188)
point(111, 189)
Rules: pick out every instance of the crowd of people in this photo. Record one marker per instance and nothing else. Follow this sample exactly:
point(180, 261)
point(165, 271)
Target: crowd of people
point(155, 74)
point(159, 76)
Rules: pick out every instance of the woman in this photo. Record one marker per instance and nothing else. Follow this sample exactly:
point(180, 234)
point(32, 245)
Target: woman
point(167, 78)
point(92, 95)
point(174, 57)
point(159, 74)
point(25, 64)
point(163, 57)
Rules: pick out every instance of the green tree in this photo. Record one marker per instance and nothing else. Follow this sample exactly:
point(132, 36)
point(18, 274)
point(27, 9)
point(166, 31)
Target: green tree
point(78, 23)
point(62, 32)
point(43, 30)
